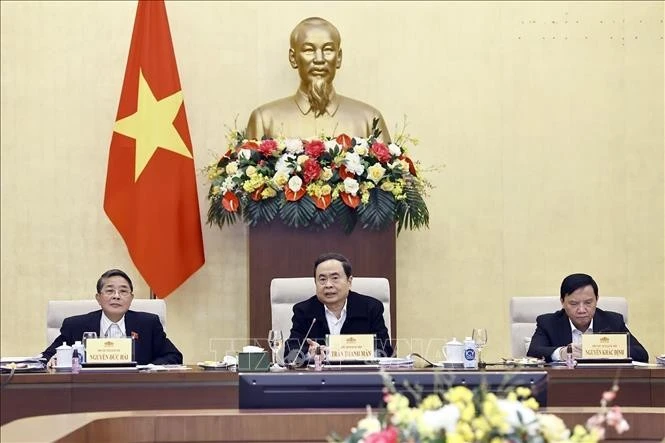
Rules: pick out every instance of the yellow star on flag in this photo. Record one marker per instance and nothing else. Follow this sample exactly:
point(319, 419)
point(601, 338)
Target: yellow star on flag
point(152, 126)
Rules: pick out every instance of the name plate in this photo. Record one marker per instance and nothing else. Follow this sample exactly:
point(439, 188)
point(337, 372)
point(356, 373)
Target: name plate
point(350, 347)
point(108, 350)
point(610, 346)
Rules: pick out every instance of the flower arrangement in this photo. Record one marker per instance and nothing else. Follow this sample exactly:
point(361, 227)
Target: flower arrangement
point(462, 415)
point(318, 182)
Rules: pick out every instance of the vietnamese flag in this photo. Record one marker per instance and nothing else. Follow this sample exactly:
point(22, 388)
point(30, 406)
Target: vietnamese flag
point(151, 193)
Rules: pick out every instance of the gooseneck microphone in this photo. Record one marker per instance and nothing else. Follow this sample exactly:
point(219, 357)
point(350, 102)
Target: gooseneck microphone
point(294, 364)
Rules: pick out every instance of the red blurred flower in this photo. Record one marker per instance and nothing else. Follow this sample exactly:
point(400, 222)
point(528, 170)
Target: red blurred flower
point(322, 202)
point(267, 147)
point(256, 195)
point(344, 173)
point(311, 170)
point(381, 152)
point(388, 435)
point(344, 140)
point(315, 148)
point(352, 201)
point(230, 201)
point(250, 145)
point(412, 167)
point(293, 196)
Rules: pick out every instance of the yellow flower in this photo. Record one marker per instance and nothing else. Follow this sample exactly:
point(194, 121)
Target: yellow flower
point(523, 392)
point(454, 437)
point(250, 171)
point(468, 412)
point(531, 403)
point(464, 429)
point(280, 178)
point(364, 198)
point(431, 402)
point(216, 190)
point(387, 186)
point(268, 192)
point(302, 159)
point(326, 174)
point(459, 394)
point(326, 189)
point(231, 168)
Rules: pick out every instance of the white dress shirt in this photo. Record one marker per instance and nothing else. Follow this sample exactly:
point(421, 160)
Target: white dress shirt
point(105, 324)
point(335, 324)
point(577, 339)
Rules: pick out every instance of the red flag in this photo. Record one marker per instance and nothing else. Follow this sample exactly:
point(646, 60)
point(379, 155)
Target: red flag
point(151, 193)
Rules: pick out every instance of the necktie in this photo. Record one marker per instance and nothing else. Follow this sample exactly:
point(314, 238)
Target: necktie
point(114, 331)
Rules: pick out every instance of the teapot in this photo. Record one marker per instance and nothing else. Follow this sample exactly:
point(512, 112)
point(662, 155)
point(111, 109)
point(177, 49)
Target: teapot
point(453, 351)
point(63, 355)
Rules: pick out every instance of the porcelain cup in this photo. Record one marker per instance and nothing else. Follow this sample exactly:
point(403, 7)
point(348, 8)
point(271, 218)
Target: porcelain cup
point(453, 351)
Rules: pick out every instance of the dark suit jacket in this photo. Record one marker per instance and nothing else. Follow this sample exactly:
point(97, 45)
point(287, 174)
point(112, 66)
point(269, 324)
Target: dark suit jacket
point(553, 331)
point(151, 346)
point(364, 315)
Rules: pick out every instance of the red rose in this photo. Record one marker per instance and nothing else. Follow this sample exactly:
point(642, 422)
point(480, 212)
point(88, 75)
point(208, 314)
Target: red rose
point(315, 148)
point(267, 147)
point(381, 152)
point(311, 170)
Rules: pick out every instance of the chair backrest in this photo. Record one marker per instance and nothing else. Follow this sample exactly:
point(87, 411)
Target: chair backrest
point(59, 310)
point(524, 310)
point(286, 292)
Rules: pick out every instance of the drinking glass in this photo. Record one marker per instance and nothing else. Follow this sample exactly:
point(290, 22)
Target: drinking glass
point(479, 335)
point(275, 340)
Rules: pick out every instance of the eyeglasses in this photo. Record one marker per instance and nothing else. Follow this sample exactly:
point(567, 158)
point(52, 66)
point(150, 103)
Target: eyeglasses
point(122, 292)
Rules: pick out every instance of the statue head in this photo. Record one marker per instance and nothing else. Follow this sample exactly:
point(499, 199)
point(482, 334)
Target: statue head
point(316, 53)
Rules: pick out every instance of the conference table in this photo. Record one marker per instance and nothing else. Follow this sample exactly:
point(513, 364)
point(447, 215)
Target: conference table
point(32, 394)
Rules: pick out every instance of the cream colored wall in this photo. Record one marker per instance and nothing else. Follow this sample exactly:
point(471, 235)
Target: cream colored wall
point(547, 116)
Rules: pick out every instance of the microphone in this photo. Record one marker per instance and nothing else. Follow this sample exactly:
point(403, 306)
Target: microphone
point(294, 363)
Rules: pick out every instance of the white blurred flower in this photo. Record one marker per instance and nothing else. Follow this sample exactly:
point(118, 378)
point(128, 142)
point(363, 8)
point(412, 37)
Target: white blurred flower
point(295, 183)
point(282, 164)
point(352, 162)
point(553, 428)
point(245, 153)
point(394, 149)
point(293, 145)
point(330, 145)
point(351, 186)
point(376, 172)
point(231, 168)
point(228, 184)
point(442, 418)
point(514, 411)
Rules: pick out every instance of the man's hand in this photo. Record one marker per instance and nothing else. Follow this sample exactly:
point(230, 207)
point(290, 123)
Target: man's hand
point(577, 350)
point(313, 345)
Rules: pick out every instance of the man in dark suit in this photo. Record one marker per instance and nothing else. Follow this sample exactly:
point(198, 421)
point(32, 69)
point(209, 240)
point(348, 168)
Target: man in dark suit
point(115, 295)
point(554, 332)
point(337, 310)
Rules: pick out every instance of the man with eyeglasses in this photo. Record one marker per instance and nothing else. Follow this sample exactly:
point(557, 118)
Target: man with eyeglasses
point(337, 310)
point(115, 295)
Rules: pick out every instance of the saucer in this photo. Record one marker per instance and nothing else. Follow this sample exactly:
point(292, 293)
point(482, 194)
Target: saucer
point(449, 364)
point(62, 368)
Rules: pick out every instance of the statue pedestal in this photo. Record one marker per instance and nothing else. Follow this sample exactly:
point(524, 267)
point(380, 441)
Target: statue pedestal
point(276, 250)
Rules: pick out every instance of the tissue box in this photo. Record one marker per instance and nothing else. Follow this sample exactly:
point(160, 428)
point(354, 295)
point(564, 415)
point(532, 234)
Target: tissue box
point(253, 362)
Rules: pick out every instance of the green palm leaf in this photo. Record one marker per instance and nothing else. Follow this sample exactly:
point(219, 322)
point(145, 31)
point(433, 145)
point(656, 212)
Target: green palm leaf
point(298, 214)
point(378, 212)
point(412, 212)
point(262, 211)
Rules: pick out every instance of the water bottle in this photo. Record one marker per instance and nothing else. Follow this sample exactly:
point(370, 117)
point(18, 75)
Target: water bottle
point(76, 364)
point(470, 355)
point(78, 346)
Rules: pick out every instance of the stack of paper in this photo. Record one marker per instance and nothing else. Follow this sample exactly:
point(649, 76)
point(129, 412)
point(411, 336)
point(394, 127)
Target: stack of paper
point(394, 362)
point(661, 359)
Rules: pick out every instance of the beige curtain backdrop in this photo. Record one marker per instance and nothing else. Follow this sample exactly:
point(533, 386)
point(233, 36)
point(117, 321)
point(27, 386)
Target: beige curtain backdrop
point(544, 121)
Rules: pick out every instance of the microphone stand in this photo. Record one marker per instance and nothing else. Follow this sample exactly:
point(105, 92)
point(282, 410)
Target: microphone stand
point(294, 364)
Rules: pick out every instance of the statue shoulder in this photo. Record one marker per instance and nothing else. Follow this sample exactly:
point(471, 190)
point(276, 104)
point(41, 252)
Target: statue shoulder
point(274, 106)
point(358, 106)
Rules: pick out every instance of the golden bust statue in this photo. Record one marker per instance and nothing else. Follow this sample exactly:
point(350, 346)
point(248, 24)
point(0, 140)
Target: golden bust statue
point(315, 108)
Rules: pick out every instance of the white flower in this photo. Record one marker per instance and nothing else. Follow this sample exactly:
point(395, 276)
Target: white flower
point(369, 424)
point(283, 164)
point(442, 418)
point(293, 145)
point(330, 145)
point(352, 162)
point(295, 183)
point(231, 168)
point(394, 149)
point(228, 184)
point(528, 417)
point(245, 153)
point(350, 186)
point(362, 142)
